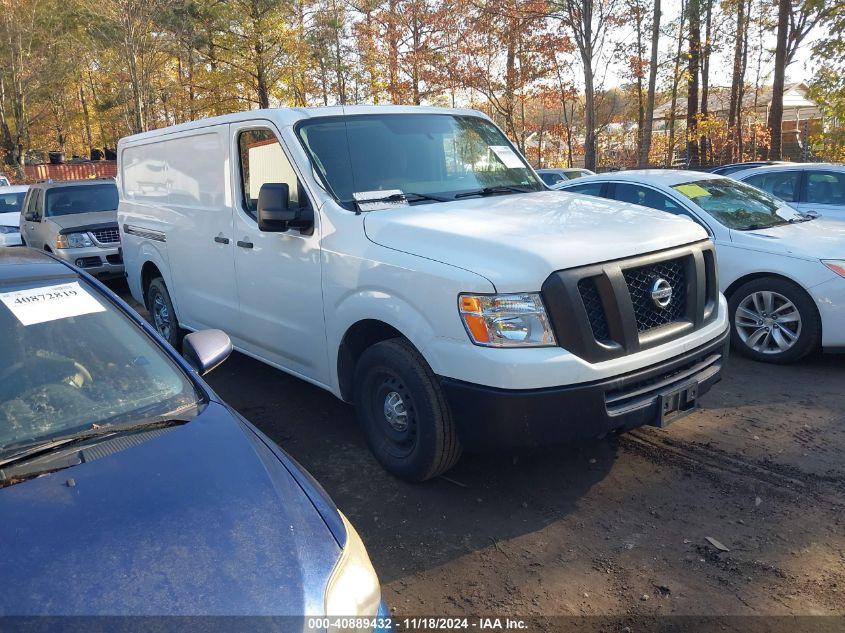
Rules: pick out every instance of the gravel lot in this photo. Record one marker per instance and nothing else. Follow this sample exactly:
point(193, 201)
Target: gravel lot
point(614, 527)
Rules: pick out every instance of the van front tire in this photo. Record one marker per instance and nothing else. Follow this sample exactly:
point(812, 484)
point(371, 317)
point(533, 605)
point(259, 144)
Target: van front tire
point(162, 315)
point(403, 412)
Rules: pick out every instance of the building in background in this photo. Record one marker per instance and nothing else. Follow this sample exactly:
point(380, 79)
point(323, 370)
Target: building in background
point(802, 117)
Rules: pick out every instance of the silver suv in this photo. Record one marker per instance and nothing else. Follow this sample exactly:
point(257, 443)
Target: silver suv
point(76, 220)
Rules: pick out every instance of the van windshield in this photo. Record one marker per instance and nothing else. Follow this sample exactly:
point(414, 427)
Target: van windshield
point(437, 155)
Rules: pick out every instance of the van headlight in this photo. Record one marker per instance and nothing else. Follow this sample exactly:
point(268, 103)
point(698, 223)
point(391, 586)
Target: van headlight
point(8, 230)
point(74, 240)
point(353, 589)
point(507, 320)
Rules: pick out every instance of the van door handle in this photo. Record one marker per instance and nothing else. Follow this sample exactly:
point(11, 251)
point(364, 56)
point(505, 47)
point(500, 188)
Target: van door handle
point(243, 244)
point(221, 240)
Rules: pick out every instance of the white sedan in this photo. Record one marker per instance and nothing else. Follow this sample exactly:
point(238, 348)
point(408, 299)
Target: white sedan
point(11, 200)
point(782, 272)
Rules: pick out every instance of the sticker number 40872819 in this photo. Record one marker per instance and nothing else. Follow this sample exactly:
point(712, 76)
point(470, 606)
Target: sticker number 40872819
point(49, 303)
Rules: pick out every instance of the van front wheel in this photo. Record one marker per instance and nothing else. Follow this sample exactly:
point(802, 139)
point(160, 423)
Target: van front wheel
point(162, 314)
point(403, 412)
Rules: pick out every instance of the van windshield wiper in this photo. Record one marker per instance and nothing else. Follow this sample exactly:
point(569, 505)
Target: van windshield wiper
point(407, 196)
point(416, 197)
point(40, 448)
point(491, 191)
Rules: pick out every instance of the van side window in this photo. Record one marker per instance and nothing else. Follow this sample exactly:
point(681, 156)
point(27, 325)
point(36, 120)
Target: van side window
point(263, 161)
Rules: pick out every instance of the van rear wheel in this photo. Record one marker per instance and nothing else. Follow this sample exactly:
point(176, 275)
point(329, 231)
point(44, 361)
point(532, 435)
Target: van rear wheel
point(403, 412)
point(162, 314)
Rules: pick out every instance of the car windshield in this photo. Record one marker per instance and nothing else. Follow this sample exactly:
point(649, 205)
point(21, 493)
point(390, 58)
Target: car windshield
point(11, 201)
point(438, 155)
point(81, 199)
point(71, 360)
point(736, 205)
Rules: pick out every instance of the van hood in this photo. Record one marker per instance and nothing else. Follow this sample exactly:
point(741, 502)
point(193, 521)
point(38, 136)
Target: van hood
point(202, 519)
point(816, 239)
point(83, 220)
point(517, 241)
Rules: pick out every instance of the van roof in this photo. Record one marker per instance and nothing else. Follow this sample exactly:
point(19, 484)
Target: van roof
point(286, 117)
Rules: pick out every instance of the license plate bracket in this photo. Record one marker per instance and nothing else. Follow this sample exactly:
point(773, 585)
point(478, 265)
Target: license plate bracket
point(677, 403)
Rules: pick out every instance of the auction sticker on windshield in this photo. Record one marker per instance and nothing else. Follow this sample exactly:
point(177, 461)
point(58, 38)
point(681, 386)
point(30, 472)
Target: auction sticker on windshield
point(50, 303)
point(507, 156)
point(692, 190)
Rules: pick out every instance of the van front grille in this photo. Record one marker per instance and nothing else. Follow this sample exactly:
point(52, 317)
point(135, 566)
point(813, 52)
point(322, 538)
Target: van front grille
point(640, 284)
point(595, 309)
point(607, 310)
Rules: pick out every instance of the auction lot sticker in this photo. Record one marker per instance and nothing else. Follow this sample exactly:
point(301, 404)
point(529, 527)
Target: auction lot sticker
point(49, 303)
point(507, 156)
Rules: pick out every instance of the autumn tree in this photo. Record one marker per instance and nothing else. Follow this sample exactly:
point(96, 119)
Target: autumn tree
point(589, 22)
point(20, 22)
point(694, 58)
point(796, 19)
point(675, 81)
point(648, 118)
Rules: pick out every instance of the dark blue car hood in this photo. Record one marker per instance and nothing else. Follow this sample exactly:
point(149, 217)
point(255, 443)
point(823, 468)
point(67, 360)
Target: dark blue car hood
point(202, 519)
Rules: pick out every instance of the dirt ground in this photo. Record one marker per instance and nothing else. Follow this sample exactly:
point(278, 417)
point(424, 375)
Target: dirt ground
point(734, 510)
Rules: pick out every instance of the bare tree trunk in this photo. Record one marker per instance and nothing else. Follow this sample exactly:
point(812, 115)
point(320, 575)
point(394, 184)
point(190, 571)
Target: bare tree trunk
point(14, 39)
point(754, 149)
point(737, 79)
point(510, 80)
point(776, 108)
point(705, 74)
point(86, 118)
point(8, 141)
point(590, 158)
point(648, 126)
point(261, 88)
point(744, 67)
point(393, 54)
point(676, 77)
point(694, 9)
point(415, 60)
point(638, 20)
point(134, 80)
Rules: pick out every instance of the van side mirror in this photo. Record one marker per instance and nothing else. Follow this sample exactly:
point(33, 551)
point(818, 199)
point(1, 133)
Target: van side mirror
point(274, 212)
point(206, 350)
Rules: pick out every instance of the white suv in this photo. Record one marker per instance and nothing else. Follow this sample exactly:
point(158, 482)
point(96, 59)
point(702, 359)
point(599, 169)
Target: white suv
point(410, 261)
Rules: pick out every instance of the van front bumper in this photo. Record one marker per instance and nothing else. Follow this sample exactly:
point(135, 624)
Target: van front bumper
point(490, 418)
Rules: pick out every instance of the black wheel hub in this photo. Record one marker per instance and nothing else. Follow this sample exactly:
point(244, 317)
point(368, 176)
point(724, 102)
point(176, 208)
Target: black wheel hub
point(393, 408)
point(161, 315)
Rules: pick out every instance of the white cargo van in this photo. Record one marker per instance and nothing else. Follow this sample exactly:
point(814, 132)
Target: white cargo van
point(410, 261)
